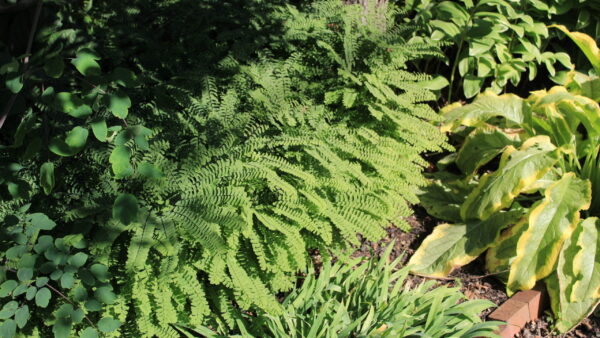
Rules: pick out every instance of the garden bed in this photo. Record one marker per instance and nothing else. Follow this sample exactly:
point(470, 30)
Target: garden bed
point(476, 284)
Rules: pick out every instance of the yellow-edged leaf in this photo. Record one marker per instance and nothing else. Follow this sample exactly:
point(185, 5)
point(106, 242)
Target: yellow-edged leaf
point(550, 222)
point(587, 45)
point(482, 145)
point(567, 282)
point(486, 106)
point(500, 256)
point(454, 245)
point(518, 170)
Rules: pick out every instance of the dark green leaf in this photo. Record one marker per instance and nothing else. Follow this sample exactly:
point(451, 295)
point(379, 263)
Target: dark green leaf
point(105, 295)
point(72, 105)
point(7, 287)
point(149, 171)
point(8, 310)
point(8, 329)
point(47, 177)
point(41, 221)
point(100, 271)
point(25, 274)
point(124, 77)
point(119, 158)
point(22, 316)
point(62, 328)
point(99, 129)
point(119, 104)
point(42, 297)
point(54, 67)
point(78, 260)
point(126, 208)
point(89, 333)
point(14, 82)
point(31, 293)
point(108, 324)
point(67, 280)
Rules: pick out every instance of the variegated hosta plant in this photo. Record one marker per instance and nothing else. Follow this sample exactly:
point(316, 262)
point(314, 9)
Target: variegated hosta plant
point(525, 187)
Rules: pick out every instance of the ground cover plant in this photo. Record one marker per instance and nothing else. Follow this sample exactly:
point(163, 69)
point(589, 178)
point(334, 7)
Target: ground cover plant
point(172, 174)
point(371, 299)
point(534, 209)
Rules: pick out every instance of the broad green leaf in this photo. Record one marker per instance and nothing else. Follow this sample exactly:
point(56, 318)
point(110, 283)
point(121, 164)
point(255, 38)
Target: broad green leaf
point(72, 105)
point(54, 67)
point(42, 222)
point(73, 143)
point(86, 64)
point(550, 222)
point(126, 208)
point(119, 103)
point(78, 259)
point(89, 332)
point(25, 274)
point(62, 327)
point(436, 83)
point(22, 316)
point(105, 295)
point(586, 43)
point(99, 129)
point(119, 159)
point(42, 297)
point(47, 177)
point(563, 285)
point(486, 106)
point(518, 170)
point(443, 201)
point(472, 85)
point(108, 324)
point(8, 329)
point(100, 271)
point(453, 245)
point(14, 83)
point(482, 145)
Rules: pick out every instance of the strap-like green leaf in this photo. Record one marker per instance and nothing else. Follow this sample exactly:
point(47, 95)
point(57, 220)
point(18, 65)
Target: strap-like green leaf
point(453, 245)
point(551, 221)
point(517, 171)
point(503, 252)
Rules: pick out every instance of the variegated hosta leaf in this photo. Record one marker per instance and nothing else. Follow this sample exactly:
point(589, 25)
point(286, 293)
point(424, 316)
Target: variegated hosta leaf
point(586, 43)
point(517, 171)
point(486, 106)
point(574, 288)
point(482, 145)
point(454, 245)
point(501, 255)
point(550, 222)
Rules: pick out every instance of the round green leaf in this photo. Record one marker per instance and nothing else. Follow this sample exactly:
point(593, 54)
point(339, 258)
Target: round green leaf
point(67, 280)
point(62, 327)
point(149, 171)
point(105, 295)
point(126, 208)
point(86, 64)
point(42, 297)
point(8, 310)
point(8, 329)
point(24, 274)
point(22, 316)
point(108, 324)
point(89, 332)
point(41, 221)
point(99, 129)
point(78, 259)
point(47, 177)
point(119, 104)
point(30, 294)
point(119, 158)
point(7, 287)
point(100, 271)
point(72, 144)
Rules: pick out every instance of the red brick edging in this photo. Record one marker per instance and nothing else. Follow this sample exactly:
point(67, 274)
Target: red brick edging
point(522, 307)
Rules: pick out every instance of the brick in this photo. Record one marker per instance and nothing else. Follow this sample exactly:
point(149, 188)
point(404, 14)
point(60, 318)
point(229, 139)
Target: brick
point(508, 331)
point(534, 298)
point(513, 312)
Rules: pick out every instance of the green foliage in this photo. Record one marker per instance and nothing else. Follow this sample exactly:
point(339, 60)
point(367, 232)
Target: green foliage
point(496, 43)
point(370, 299)
point(201, 185)
point(527, 207)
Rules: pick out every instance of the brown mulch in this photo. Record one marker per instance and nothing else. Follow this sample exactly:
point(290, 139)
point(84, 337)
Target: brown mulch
point(475, 284)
